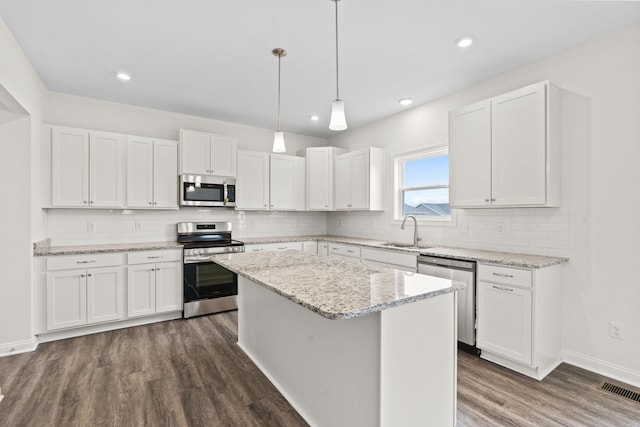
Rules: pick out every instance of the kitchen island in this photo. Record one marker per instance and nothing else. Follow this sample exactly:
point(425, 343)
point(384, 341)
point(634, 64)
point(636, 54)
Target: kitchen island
point(349, 344)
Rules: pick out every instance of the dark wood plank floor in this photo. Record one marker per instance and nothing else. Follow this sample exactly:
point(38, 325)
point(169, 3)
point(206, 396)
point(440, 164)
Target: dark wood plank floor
point(191, 373)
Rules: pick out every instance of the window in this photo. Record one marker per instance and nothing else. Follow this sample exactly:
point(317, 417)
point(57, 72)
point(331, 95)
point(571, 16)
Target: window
point(422, 185)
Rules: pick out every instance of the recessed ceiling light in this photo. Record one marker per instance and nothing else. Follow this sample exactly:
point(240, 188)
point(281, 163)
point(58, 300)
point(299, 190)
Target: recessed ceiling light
point(314, 118)
point(124, 76)
point(464, 42)
point(406, 101)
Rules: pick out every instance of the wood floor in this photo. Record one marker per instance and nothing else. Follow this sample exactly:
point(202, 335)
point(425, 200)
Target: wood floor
point(191, 373)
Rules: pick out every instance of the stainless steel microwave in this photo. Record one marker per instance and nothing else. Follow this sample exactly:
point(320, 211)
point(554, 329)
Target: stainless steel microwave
point(204, 190)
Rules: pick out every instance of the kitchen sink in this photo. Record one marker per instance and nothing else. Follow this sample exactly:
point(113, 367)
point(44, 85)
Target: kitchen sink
point(403, 246)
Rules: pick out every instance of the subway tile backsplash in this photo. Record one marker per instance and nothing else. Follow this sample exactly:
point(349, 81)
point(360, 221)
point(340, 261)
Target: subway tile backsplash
point(81, 227)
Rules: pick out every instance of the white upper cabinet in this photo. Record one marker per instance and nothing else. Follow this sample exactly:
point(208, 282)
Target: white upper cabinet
point(270, 181)
point(320, 177)
point(359, 180)
point(252, 184)
point(207, 154)
point(87, 168)
point(505, 151)
point(152, 173)
point(287, 182)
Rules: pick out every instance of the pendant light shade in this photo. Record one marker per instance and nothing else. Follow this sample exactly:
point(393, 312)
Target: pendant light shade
point(278, 142)
point(278, 136)
point(338, 119)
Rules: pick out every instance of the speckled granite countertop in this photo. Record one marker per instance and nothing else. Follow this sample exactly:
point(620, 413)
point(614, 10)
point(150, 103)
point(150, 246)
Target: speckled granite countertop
point(96, 249)
point(479, 255)
point(334, 288)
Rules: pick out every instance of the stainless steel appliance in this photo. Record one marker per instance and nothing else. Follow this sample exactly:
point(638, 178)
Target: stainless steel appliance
point(204, 190)
point(462, 271)
point(208, 287)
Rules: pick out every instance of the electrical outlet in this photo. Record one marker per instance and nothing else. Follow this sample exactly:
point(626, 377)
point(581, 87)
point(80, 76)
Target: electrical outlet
point(616, 330)
point(500, 227)
point(138, 226)
point(91, 226)
point(463, 227)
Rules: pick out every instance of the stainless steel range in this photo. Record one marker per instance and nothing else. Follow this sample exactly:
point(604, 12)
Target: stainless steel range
point(208, 287)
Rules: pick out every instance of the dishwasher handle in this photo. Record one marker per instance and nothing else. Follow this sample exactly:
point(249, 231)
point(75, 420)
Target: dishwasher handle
point(447, 262)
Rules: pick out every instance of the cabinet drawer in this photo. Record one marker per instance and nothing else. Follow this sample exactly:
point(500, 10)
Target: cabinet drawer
point(68, 262)
point(390, 257)
point(506, 275)
point(144, 257)
point(344, 250)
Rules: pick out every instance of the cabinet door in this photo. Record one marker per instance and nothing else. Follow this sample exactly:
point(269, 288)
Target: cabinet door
point(470, 156)
point(106, 170)
point(323, 248)
point(168, 286)
point(165, 174)
point(140, 172)
point(141, 290)
point(252, 190)
point(342, 188)
point(504, 321)
point(282, 172)
point(223, 155)
point(319, 183)
point(359, 178)
point(69, 167)
point(105, 288)
point(66, 299)
point(195, 152)
point(518, 123)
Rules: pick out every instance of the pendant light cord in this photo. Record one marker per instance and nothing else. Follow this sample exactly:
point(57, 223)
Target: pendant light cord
point(279, 59)
point(337, 73)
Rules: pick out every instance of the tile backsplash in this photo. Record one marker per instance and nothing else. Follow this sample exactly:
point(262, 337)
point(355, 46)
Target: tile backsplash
point(80, 227)
point(540, 231)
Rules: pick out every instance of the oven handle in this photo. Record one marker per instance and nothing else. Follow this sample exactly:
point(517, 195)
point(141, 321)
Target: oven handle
point(199, 260)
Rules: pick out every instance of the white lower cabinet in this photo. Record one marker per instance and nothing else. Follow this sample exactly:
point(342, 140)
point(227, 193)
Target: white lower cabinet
point(84, 296)
point(154, 287)
point(81, 290)
point(518, 314)
point(323, 248)
point(345, 252)
point(390, 259)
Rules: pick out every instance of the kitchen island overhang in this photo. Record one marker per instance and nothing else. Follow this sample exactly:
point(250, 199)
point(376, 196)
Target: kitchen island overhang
point(349, 344)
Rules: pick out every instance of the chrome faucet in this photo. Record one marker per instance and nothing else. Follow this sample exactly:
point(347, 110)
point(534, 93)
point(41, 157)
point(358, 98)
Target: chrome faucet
point(416, 239)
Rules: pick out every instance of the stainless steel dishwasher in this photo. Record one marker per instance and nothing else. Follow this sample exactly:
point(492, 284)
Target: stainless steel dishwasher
point(462, 271)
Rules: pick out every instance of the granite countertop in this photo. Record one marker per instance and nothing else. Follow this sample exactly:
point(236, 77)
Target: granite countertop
point(479, 255)
point(334, 288)
point(44, 250)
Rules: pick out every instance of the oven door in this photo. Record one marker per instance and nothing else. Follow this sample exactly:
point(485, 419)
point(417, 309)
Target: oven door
point(207, 280)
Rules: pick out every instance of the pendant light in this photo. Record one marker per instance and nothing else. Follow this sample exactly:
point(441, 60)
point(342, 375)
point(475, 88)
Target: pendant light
point(278, 137)
point(338, 119)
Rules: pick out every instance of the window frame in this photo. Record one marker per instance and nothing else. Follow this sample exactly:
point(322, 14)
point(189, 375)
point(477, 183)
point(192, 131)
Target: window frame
point(398, 199)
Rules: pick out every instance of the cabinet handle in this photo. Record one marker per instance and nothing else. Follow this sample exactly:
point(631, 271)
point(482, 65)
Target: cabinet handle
point(487, 200)
point(500, 288)
point(82, 275)
point(154, 257)
point(88, 275)
point(281, 249)
point(86, 262)
point(510, 276)
point(493, 200)
point(256, 250)
point(350, 251)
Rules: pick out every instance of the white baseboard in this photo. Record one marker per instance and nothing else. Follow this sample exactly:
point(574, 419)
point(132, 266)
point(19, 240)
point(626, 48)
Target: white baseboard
point(9, 349)
point(601, 367)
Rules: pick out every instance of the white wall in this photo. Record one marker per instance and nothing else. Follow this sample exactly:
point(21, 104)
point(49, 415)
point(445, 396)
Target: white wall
point(22, 91)
point(69, 227)
point(596, 226)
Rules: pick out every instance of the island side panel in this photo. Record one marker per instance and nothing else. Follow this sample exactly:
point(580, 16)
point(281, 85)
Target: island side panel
point(329, 370)
point(418, 363)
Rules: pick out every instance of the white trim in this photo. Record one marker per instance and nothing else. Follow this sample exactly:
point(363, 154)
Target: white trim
point(611, 370)
point(18, 347)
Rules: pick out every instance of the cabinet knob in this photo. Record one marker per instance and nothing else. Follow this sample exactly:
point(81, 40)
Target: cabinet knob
point(487, 200)
point(265, 205)
point(88, 275)
point(82, 275)
point(155, 203)
point(150, 203)
point(493, 200)
point(157, 268)
point(91, 202)
point(326, 206)
point(84, 201)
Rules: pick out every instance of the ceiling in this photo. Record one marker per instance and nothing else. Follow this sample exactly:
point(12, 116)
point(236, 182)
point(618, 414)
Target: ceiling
point(213, 58)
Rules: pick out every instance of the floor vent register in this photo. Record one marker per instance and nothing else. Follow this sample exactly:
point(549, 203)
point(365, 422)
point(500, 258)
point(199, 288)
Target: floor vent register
point(620, 391)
